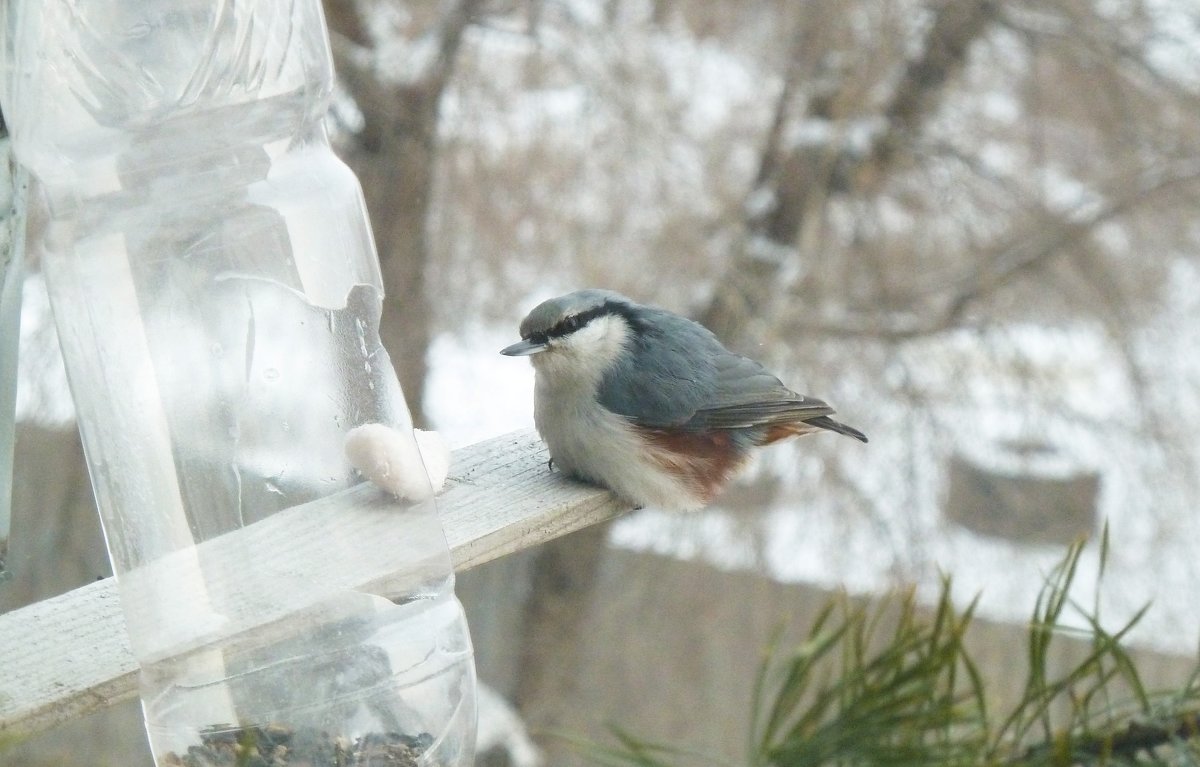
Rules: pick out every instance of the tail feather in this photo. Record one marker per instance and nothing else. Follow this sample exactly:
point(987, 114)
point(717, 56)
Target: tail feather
point(808, 426)
point(825, 422)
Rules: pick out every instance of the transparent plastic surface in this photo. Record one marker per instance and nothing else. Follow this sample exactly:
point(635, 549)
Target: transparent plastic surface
point(12, 223)
point(217, 296)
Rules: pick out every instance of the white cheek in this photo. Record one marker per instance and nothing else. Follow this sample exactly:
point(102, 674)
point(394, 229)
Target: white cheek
point(584, 356)
point(608, 336)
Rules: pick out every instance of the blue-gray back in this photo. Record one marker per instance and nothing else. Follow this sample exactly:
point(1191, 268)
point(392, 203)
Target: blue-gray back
point(677, 374)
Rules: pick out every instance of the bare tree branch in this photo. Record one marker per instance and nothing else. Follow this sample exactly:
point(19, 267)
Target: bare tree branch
point(1023, 253)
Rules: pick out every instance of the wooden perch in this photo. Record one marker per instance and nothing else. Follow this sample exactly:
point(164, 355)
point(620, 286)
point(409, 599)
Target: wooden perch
point(68, 656)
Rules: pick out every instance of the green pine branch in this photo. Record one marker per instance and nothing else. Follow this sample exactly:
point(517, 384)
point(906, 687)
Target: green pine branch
point(895, 685)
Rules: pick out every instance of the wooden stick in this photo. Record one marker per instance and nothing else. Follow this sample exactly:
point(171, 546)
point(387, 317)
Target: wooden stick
point(68, 656)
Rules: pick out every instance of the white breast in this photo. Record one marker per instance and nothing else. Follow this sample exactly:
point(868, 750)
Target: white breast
point(589, 441)
point(601, 447)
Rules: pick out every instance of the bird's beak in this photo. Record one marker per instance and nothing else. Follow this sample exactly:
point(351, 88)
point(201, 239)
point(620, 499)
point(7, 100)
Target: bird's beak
point(523, 348)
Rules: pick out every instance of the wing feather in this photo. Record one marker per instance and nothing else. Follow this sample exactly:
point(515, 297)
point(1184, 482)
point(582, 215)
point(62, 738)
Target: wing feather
point(667, 374)
point(747, 396)
point(678, 375)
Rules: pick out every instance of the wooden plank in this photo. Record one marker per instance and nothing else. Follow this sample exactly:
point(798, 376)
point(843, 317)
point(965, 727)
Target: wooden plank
point(68, 656)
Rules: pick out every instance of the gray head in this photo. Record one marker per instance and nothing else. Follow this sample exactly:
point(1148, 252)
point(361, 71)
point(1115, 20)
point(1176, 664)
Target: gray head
point(576, 338)
point(559, 323)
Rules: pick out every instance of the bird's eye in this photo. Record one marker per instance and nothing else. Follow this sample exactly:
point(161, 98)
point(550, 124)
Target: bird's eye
point(571, 323)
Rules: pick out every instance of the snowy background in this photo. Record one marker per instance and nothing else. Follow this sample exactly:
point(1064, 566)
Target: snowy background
point(971, 227)
point(613, 146)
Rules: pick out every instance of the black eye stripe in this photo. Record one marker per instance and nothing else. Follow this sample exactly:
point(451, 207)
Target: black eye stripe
point(571, 323)
point(574, 322)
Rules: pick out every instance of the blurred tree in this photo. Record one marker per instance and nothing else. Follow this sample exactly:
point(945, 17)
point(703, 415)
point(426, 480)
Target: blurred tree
point(1010, 179)
point(839, 182)
point(922, 166)
point(821, 145)
point(397, 77)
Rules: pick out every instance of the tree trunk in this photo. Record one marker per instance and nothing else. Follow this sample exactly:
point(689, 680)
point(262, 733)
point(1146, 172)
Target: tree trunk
point(795, 181)
point(565, 574)
point(394, 157)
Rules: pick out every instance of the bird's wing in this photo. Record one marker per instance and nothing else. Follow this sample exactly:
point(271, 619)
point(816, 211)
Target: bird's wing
point(745, 395)
point(677, 374)
point(666, 375)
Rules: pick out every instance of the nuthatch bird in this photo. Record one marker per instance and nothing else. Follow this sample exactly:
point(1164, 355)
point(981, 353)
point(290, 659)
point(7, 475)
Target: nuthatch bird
point(650, 404)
